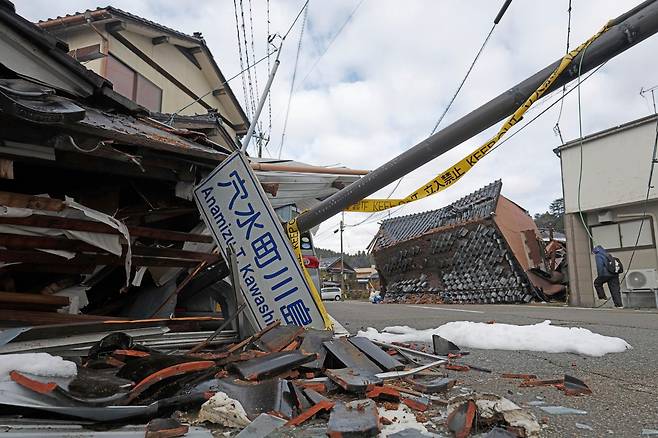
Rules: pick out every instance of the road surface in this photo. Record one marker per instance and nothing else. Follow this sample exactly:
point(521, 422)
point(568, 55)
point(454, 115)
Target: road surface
point(624, 385)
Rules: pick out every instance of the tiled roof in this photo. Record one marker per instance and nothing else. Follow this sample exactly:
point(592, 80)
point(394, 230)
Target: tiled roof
point(117, 11)
point(108, 12)
point(325, 262)
point(478, 205)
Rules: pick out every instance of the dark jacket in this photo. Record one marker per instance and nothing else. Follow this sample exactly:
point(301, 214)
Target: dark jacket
point(601, 261)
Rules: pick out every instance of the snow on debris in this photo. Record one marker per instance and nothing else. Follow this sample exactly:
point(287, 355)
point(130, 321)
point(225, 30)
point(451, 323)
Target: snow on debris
point(38, 364)
point(536, 337)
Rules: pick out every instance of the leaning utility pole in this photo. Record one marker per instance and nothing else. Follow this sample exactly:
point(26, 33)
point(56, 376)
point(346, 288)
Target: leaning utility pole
point(625, 31)
point(342, 256)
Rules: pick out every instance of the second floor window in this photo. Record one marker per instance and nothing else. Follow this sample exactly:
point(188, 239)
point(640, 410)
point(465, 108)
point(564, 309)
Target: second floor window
point(133, 85)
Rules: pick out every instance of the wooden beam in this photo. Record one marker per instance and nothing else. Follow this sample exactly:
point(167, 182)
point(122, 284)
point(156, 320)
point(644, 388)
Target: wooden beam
point(20, 242)
point(187, 53)
point(38, 257)
point(115, 26)
point(160, 40)
point(6, 169)
point(194, 50)
point(219, 92)
point(157, 67)
point(49, 269)
point(26, 298)
point(61, 223)
point(48, 318)
point(20, 200)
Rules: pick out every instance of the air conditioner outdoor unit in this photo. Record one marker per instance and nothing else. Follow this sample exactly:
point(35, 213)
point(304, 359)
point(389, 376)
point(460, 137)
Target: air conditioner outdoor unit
point(641, 279)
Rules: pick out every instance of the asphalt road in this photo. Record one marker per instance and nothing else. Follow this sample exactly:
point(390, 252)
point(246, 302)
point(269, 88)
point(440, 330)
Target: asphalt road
point(624, 385)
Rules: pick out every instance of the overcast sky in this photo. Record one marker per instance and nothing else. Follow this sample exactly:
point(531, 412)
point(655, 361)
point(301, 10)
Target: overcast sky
point(383, 83)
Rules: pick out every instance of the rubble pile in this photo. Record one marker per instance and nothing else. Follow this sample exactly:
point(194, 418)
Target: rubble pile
point(280, 380)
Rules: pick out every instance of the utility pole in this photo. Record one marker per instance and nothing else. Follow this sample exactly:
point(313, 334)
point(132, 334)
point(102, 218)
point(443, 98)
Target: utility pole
point(626, 30)
point(342, 257)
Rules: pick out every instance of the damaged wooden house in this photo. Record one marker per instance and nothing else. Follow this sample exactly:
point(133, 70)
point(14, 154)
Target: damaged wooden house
point(97, 167)
point(482, 248)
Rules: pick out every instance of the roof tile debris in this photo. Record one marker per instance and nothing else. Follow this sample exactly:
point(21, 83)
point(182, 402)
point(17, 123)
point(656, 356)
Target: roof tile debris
point(478, 205)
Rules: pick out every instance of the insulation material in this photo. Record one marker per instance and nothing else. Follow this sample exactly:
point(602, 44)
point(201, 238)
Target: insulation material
point(536, 337)
point(221, 409)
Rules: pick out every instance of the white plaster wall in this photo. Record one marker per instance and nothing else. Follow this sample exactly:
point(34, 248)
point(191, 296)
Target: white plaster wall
point(615, 169)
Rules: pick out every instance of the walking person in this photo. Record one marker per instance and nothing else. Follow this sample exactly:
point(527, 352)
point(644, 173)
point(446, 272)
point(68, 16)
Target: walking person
point(608, 269)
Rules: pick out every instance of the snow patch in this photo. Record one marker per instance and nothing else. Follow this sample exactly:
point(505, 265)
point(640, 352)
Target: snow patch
point(38, 364)
point(402, 418)
point(536, 337)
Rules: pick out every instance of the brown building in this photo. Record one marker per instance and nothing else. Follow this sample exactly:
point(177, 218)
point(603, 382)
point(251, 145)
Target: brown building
point(479, 249)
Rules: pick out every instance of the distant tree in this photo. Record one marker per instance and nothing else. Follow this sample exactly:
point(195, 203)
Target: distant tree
point(359, 260)
point(557, 208)
point(553, 218)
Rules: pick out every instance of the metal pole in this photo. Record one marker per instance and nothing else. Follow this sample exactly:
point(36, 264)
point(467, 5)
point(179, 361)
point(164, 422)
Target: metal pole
point(627, 30)
point(342, 257)
point(261, 103)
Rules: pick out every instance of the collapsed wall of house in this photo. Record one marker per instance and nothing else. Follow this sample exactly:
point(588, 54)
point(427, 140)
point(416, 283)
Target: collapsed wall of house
point(96, 210)
point(479, 249)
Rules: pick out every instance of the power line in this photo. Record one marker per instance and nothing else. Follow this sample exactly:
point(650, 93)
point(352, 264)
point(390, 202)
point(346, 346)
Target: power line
point(294, 75)
point(470, 68)
point(468, 72)
point(253, 56)
point(304, 6)
point(646, 198)
point(244, 82)
point(250, 86)
point(556, 128)
point(510, 136)
point(222, 84)
point(269, 70)
point(331, 41)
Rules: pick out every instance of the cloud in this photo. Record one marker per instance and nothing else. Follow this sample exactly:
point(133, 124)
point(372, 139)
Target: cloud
point(385, 80)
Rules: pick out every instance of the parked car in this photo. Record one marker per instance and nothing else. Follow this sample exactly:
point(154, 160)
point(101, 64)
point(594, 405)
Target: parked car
point(332, 293)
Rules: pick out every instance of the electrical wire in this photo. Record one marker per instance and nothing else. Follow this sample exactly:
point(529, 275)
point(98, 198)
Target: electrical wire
point(253, 56)
point(556, 128)
point(294, 76)
point(250, 84)
point(221, 85)
point(511, 135)
point(499, 16)
point(580, 145)
point(304, 6)
point(331, 41)
point(242, 68)
point(269, 71)
point(646, 202)
point(468, 72)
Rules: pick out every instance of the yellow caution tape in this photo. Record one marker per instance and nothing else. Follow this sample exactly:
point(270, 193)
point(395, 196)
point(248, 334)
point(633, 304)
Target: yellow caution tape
point(295, 240)
point(455, 172)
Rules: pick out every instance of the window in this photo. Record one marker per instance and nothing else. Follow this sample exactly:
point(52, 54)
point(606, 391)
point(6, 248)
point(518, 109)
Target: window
point(624, 234)
point(132, 85)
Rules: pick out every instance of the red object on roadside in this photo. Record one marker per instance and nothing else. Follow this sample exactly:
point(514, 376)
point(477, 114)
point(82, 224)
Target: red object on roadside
point(311, 262)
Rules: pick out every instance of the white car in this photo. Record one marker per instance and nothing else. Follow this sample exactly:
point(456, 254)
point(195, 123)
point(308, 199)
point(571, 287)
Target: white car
point(332, 293)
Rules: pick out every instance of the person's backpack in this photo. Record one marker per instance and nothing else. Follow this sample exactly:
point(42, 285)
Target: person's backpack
point(613, 265)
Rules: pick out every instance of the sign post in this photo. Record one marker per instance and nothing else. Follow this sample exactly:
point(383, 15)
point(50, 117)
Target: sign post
point(236, 210)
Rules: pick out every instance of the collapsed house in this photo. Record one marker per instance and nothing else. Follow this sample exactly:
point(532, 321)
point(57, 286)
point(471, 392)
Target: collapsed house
point(96, 210)
point(482, 248)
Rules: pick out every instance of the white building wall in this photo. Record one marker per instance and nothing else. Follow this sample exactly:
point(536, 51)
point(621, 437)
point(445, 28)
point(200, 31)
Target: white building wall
point(615, 169)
